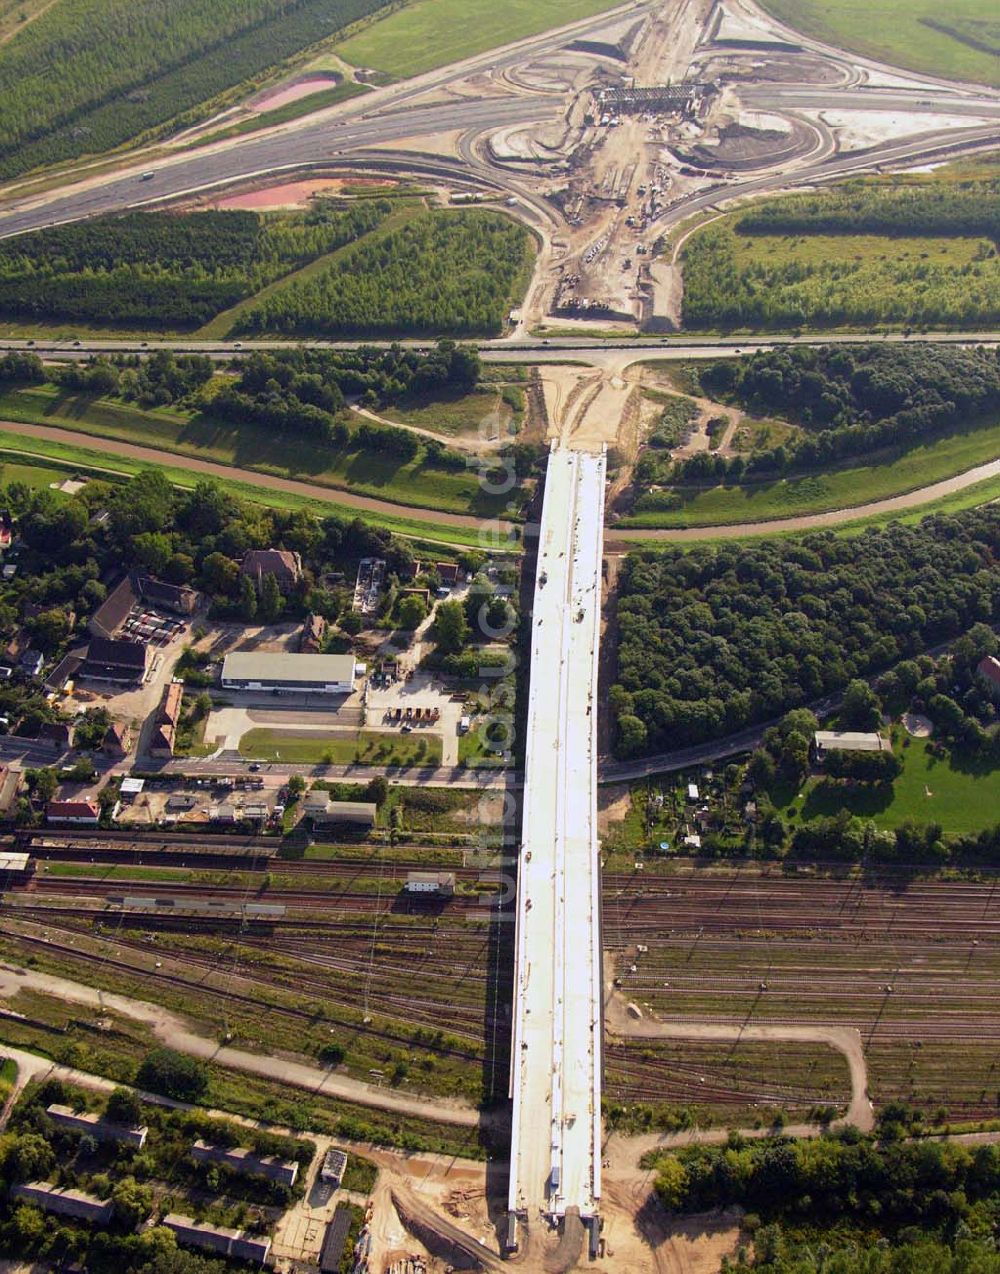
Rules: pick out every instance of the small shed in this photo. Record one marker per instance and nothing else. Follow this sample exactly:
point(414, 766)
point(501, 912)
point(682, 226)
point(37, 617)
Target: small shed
point(334, 1167)
point(440, 883)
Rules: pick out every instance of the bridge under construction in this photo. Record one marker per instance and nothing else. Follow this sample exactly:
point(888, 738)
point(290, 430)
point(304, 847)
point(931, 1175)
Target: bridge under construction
point(555, 1162)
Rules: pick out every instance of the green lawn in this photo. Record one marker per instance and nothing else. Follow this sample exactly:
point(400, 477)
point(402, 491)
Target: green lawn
point(461, 414)
point(82, 460)
point(113, 871)
point(836, 489)
point(962, 795)
point(38, 477)
point(431, 33)
point(367, 747)
point(474, 753)
point(923, 35)
point(251, 447)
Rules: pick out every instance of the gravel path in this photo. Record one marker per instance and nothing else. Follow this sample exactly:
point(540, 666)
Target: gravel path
point(811, 521)
point(174, 1031)
point(269, 482)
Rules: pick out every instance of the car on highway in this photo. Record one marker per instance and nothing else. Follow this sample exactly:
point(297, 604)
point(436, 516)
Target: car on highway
point(254, 768)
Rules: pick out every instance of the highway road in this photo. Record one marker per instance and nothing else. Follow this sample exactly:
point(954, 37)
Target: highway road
point(272, 153)
point(556, 1058)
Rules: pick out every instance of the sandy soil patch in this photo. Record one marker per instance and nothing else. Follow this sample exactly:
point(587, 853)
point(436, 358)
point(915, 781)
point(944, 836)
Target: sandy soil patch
point(613, 804)
point(920, 727)
point(859, 129)
point(294, 92)
point(292, 194)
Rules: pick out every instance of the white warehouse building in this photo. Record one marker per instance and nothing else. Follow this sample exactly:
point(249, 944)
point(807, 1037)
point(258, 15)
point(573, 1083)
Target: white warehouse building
point(291, 673)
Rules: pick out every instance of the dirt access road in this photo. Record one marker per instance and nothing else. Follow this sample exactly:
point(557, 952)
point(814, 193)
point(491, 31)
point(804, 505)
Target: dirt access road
point(811, 521)
point(266, 481)
point(176, 1032)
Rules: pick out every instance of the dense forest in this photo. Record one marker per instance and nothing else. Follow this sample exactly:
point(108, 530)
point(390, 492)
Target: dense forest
point(968, 209)
point(772, 285)
point(87, 75)
point(853, 400)
point(444, 272)
point(163, 270)
point(726, 636)
point(870, 1205)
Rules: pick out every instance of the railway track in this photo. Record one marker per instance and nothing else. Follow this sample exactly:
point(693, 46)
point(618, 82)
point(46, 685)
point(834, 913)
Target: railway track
point(260, 1006)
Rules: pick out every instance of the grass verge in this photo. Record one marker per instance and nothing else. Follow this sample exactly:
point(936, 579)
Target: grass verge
point(366, 747)
point(922, 35)
point(822, 492)
point(78, 459)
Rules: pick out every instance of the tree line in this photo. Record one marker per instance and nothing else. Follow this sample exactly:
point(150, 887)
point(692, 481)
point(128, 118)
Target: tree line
point(164, 270)
point(87, 75)
point(443, 272)
point(725, 636)
point(968, 209)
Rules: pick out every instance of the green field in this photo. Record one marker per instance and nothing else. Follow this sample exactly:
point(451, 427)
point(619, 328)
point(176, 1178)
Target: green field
point(962, 795)
point(922, 35)
point(431, 33)
point(367, 747)
point(82, 460)
point(250, 447)
point(38, 477)
point(462, 414)
point(820, 492)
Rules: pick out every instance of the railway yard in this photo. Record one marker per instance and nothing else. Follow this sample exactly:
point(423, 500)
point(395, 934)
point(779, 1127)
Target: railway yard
point(336, 949)
point(911, 964)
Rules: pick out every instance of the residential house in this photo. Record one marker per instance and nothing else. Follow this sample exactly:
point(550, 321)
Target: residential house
point(65, 1202)
point(96, 1126)
point(10, 785)
point(78, 813)
point(182, 599)
point(118, 739)
point(284, 565)
point(164, 735)
point(113, 611)
point(58, 733)
point(239, 1159)
point(114, 660)
point(988, 672)
point(31, 663)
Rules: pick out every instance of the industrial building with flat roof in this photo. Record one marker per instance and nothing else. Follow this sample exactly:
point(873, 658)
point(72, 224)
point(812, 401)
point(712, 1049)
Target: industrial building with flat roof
point(217, 1238)
point(64, 1202)
point(66, 1118)
point(284, 1171)
point(849, 741)
point(441, 883)
point(293, 673)
point(322, 810)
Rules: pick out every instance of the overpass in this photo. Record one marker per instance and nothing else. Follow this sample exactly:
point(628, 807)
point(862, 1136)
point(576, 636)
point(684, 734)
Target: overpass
point(555, 1164)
